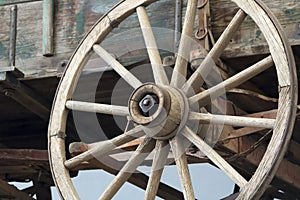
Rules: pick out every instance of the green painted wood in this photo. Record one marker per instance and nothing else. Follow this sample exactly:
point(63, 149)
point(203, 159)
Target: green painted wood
point(249, 40)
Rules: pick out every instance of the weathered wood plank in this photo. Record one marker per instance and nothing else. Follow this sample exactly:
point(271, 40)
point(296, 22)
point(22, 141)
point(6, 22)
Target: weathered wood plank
point(12, 2)
point(287, 172)
point(73, 19)
point(249, 40)
point(71, 23)
point(12, 191)
point(24, 95)
point(24, 155)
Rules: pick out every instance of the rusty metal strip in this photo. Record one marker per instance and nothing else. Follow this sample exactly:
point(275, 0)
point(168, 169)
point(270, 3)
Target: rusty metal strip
point(178, 24)
point(13, 35)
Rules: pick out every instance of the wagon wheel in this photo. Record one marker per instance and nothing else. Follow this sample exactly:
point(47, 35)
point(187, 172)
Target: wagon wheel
point(169, 122)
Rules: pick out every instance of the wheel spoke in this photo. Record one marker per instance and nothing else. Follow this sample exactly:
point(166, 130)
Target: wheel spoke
point(159, 160)
point(232, 120)
point(141, 153)
point(104, 147)
point(214, 157)
point(205, 97)
point(196, 80)
point(182, 167)
point(159, 73)
point(180, 69)
point(120, 69)
point(140, 180)
point(97, 108)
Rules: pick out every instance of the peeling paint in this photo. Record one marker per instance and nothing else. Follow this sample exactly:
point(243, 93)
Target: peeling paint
point(3, 51)
point(103, 6)
point(25, 48)
point(258, 34)
point(290, 11)
point(80, 21)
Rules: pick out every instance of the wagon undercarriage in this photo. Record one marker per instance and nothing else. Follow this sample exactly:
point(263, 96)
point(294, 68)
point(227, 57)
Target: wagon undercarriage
point(182, 115)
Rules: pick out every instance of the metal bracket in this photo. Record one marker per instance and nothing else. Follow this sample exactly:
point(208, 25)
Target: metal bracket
point(13, 35)
point(113, 23)
point(201, 4)
point(60, 134)
point(178, 24)
point(204, 23)
point(298, 29)
point(48, 28)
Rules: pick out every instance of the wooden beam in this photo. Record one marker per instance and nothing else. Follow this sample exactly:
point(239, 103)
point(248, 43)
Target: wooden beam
point(24, 155)
point(42, 190)
point(24, 95)
point(288, 172)
point(12, 191)
point(294, 152)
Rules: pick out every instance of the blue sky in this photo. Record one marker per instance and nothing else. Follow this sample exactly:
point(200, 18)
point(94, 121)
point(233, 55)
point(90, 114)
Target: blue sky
point(209, 183)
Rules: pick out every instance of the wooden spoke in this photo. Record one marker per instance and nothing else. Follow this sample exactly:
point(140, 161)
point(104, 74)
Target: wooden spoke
point(196, 79)
point(180, 68)
point(205, 97)
point(140, 180)
point(120, 69)
point(182, 167)
point(159, 73)
point(232, 120)
point(97, 108)
point(104, 147)
point(214, 157)
point(141, 153)
point(159, 160)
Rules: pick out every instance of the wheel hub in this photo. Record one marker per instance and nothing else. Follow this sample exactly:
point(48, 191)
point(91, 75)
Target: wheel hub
point(161, 110)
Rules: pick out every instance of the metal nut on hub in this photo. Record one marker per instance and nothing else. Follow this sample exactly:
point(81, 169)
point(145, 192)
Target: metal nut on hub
point(148, 105)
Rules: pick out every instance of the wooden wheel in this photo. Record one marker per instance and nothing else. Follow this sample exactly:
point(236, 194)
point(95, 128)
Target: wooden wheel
point(164, 112)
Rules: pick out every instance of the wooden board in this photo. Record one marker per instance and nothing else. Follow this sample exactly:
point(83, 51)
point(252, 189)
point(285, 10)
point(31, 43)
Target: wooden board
point(11, 2)
point(71, 23)
point(72, 19)
point(249, 40)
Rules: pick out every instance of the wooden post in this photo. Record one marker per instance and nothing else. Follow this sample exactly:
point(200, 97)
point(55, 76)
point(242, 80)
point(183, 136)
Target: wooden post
point(48, 21)
point(12, 191)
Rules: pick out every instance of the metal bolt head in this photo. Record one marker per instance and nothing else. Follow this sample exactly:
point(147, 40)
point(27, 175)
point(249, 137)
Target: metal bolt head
point(147, 104)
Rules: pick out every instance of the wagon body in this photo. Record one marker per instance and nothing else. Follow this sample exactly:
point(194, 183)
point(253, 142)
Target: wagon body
point(36, 47)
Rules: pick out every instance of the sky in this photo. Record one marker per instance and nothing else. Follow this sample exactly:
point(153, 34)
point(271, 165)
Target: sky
point(209, 183)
